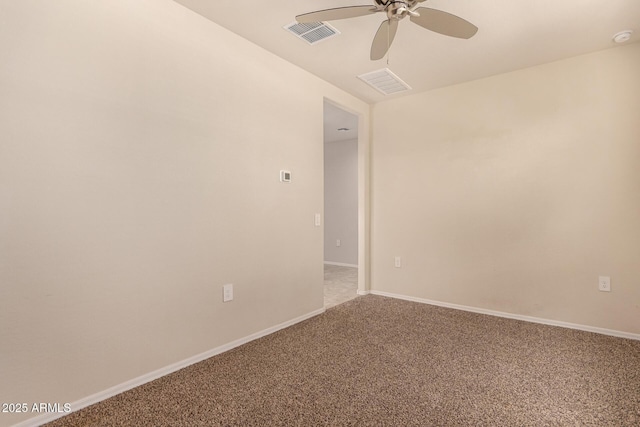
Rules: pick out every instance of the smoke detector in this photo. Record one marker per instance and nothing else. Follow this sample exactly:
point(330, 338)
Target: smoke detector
point(622, 36)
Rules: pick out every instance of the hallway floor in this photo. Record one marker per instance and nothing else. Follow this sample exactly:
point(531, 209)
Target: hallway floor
point(340, 284)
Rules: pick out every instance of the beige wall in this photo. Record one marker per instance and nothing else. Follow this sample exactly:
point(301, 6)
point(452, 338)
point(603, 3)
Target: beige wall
point(140, 149)
point(341, 202)
point(515, 192)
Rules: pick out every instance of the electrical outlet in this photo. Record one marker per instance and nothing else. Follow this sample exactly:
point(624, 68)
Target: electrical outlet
point(338, 242)
point(317, 220)
point(227, 292)
point(604, 284)
point(398, 262)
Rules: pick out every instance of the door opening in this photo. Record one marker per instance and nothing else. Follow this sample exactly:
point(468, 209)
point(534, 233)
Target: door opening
point(341, 198)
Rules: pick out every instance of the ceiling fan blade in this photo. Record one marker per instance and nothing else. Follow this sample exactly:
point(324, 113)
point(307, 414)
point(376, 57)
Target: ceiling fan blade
point(383, 39)
point(444, 23)
point(337, 13)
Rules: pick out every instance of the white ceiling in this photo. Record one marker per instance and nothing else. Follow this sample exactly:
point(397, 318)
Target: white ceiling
point(513, 34)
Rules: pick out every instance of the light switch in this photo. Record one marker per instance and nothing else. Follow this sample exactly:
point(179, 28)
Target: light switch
point(227, 292)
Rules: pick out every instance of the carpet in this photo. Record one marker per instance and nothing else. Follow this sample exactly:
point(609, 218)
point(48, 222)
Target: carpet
point(376, 361)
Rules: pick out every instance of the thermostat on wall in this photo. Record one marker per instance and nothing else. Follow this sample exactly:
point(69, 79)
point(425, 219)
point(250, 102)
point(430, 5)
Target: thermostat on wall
point(285, 176)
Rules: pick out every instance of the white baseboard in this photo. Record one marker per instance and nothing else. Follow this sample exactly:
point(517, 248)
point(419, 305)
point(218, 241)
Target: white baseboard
point(586, 328)
point(363, 292)
point(340, 264)
point(143, 379)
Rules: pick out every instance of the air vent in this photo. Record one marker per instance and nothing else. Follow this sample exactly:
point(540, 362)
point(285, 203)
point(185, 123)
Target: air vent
point(384, 81)
point(312, 32)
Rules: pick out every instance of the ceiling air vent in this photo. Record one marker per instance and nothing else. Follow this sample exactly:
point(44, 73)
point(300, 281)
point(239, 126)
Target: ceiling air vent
point(384, 81)
point(312, 32)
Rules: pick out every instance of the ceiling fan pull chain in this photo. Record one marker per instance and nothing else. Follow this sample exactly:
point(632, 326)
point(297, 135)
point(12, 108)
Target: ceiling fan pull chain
point(388, 41)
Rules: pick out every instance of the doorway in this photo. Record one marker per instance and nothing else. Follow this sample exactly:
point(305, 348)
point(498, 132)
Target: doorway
point(341, 198)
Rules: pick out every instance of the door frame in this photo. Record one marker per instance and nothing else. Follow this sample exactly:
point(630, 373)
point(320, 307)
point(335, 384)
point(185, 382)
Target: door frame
point(364, 211)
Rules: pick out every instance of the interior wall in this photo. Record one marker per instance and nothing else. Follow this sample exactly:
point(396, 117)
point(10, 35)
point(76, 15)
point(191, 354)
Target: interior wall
point(341, 202)
point(516, 192)
point(140, 152)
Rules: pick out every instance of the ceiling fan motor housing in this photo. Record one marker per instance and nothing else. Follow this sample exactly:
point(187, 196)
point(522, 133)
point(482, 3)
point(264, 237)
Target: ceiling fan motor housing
point(409, 3)
point(398, 9)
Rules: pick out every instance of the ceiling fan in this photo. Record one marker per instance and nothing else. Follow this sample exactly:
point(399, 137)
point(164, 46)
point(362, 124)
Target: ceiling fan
point(431, 19)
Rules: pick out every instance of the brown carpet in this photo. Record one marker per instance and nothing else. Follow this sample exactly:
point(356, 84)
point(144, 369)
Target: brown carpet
point(376, 361)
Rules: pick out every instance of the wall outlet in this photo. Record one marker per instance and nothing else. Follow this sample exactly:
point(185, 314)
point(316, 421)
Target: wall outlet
point(398, 262)
point(317, 220)
point(338, 242)
point(604, 284)
point(227, 292)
